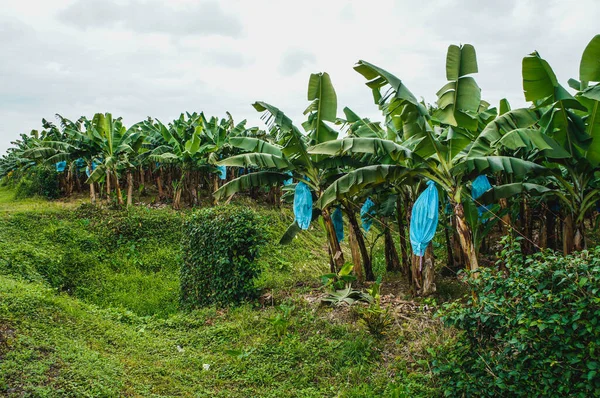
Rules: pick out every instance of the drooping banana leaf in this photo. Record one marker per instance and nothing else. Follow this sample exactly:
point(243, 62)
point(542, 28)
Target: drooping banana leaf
point(257, 179)
point(292, 141)
point(532, 139)
point(376, 146)
point(559, 120)
point(251, 144)
point(290, 233)
point(404, 113)
point(259, 160)
point(357, 180)
point(511, 120)
point(492, 164)
point(509, 190)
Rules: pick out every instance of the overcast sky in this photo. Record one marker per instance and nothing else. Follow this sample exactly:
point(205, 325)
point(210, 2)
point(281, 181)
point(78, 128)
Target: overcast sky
point(139, 58)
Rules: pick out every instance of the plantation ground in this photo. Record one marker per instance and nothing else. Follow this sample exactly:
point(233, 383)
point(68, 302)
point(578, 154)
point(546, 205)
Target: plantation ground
point(89, 308)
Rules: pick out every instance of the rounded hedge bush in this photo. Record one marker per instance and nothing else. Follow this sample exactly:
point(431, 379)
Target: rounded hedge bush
point(220, 246)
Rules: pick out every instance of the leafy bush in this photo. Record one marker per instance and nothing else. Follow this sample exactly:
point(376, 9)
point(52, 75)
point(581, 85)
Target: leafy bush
point(535, 332)
point(38, 181)
point(220, 246)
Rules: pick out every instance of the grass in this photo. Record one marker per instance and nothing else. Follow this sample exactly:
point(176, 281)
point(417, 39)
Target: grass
point(90, 308)
point(55, 345)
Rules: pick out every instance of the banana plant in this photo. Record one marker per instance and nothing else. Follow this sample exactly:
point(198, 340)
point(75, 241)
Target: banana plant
point(180, 144)
point(561, 129)
point(115, 144)
point(288, 154)
point(437, 151)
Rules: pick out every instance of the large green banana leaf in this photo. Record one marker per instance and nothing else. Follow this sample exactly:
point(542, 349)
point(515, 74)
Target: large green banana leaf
point(403, 112)
point(359, 179)
point(376, 146)
point(259, 160)
point(460, 98)
point(589, 67)
point(251, 144)
point(508, 121)
point(493, 164)
point(288, 136)
point(533, 139)
point(257, 179)
point(322, 108)
point(560, 120)
point(509, 190)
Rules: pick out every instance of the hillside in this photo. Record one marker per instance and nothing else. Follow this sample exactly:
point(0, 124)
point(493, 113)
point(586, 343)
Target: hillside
point(89, 308)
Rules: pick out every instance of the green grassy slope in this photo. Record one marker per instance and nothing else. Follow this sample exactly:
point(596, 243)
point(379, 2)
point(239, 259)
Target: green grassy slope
point(88, 307)
point(54, 345)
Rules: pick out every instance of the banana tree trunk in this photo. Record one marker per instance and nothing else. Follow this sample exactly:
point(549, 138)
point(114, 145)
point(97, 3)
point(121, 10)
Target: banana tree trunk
point(108, 185)
point(161, 194)
point(92, 193)
point(69, 187)
point(465, 237)
point(143, 180)
point(392, 262)
point(334, 244)
point(568, 234)
point(404, 247)
point(118, 188)
point(366, 259)
point(451, 264)
point(178, 191)
point(579, 242)
point(355, 251)
point(78, 182)
point(215, 187)
point(129, 188)
point(423, 274)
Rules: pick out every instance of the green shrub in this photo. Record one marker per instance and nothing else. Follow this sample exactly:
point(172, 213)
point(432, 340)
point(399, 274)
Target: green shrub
point(535, 332)
point(220, 246)
point(38, 181)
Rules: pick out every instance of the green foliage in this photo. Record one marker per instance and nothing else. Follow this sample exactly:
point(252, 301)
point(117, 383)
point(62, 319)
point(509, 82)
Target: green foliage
point(339, 288)
point(127, 258)
point(533, 332)
point(377, 320)
point(282, 320)
point(38, 181)
point(339, 280)
point(55, 345)
point(220, 248)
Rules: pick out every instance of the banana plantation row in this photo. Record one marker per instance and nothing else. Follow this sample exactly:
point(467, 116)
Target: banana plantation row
point(530, 172)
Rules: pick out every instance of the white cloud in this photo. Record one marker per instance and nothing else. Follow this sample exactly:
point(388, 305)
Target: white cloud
point(199, 18)
point(139, 58)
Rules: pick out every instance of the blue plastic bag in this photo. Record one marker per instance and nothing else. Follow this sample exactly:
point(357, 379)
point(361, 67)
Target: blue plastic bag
point(289, 180)
point(338, 223)
point(366, 214)
point(79, 163)
point(424, 219)
point(61, 166)
point(479, 186)
point(303, 204)
point(222, 172)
